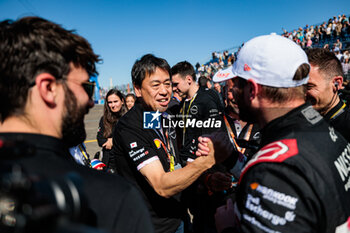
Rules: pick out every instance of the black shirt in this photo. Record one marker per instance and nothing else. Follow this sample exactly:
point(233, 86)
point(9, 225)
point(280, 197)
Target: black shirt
point(339, 118)
point(205, 106)
point(299, 180)
point(135, 147)
point(115, 205)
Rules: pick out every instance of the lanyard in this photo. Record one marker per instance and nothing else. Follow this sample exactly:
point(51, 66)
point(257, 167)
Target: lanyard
point(85, 156)
point(183, 116)
point(340, 110)
point(232, 136)
point(169, 148)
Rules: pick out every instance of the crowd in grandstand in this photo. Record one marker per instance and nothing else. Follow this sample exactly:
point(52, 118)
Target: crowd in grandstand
point(333, 34)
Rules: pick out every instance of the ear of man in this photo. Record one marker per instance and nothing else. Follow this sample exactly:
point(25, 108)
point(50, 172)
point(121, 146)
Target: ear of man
point(189, 79)
point(137, 91)
point(253, 88)
point(337, 83)
point(47, 87)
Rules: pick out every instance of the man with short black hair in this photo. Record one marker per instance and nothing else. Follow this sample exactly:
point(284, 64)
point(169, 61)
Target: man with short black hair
point(326, 79)
point(145, 148)
point(298, 181)
point(44, 94)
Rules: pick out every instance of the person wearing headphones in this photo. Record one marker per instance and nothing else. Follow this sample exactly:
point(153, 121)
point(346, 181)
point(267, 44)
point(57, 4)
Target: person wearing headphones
point(326, 79)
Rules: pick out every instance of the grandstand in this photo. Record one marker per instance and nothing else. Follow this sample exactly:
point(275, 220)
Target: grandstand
point(333, 34)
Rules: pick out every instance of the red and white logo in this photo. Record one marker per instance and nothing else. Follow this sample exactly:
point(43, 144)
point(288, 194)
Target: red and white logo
point(247, 68)
point(133, 145)
point(275, 152)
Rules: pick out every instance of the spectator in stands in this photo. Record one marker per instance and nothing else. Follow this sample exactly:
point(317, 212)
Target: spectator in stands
point(326, 79)
point(346, 65)
point(337, 53)
point(339, 44)
point(114, 109)
point(329, 31)
point(130, 100)
point(309, 42)
point(44, 94)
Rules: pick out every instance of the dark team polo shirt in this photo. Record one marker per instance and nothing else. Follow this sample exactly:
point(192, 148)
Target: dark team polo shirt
point(205, 106)
point(134, 148)
point(339, 118)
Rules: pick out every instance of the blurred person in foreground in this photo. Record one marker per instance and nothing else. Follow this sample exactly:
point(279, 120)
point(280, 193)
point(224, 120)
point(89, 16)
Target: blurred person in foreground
point(299, 179)
point(44, 94)
point(323, 88)
point(146, 150)
point(114, 109)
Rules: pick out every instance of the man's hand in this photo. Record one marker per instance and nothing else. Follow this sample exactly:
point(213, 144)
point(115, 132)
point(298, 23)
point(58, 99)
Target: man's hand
point(219, 182)
point(108, 145)
point(217, 144)
point(224, 217)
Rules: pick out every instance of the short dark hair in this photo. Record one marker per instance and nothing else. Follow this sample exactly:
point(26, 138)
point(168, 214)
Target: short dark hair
point(184, 68)
point(146, 66)
point(30, 46)
point(131, 95)
point(202, 81)
point(328, 64)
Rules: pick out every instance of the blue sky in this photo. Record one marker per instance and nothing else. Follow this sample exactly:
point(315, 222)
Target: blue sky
point(121, 31)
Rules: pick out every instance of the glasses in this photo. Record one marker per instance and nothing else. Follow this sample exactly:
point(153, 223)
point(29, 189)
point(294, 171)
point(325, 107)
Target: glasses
point(89, 88)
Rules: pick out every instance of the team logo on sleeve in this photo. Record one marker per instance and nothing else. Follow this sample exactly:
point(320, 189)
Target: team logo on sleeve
point(275, 152)
point(157, 142)
point(133, 145)
point(151, 120)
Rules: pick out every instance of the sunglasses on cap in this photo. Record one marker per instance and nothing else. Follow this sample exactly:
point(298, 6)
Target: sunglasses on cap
point(89, 88)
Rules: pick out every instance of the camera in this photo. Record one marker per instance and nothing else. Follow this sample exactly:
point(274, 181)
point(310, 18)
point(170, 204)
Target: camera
point(32, 203)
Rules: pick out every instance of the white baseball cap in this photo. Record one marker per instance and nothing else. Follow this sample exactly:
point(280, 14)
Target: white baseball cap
point(270, 60)
point(223, 75)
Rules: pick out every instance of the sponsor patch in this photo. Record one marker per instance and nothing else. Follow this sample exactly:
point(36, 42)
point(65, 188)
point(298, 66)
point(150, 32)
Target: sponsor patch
point(332, 134)
point(275, 152)
point(133, 145)
point(253, 204)
point(344, 228)
point(138, 154)
point(342, 164)
point(274, 196)
point(157, 142)
point(194, 109)
point(311, 115)
point(258, 224)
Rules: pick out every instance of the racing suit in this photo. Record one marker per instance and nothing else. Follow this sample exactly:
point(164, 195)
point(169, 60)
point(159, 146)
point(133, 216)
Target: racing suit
point(299, 180)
